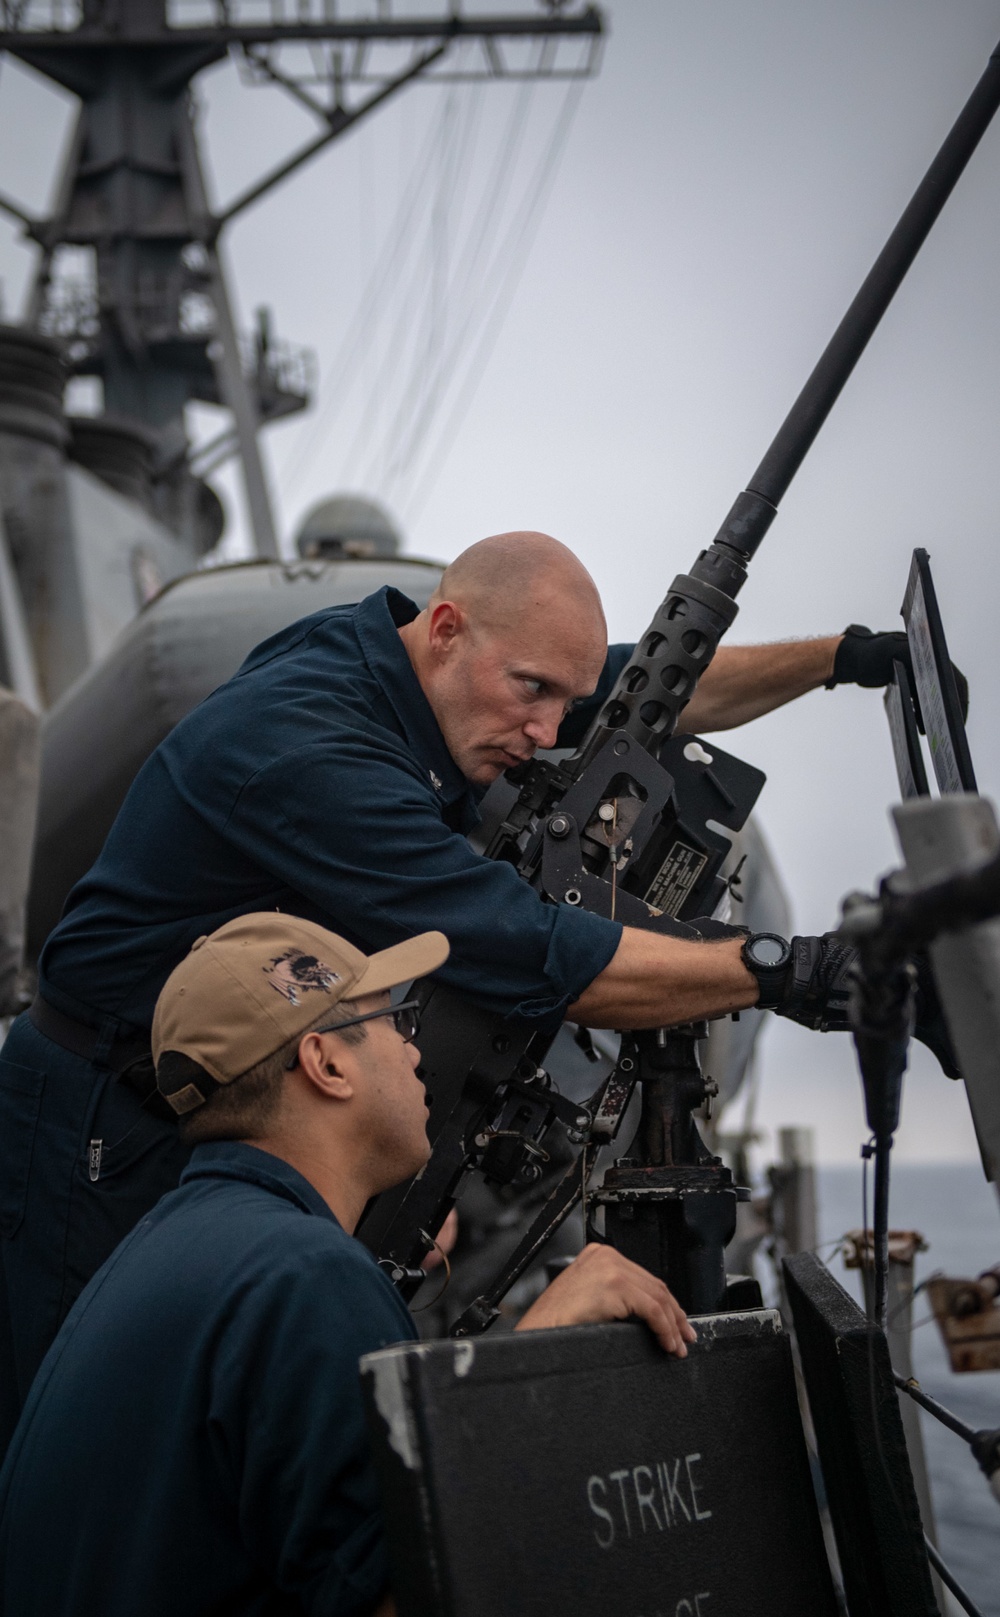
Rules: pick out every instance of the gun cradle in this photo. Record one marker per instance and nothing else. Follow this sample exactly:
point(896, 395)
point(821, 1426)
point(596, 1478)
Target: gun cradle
point(490, 1105)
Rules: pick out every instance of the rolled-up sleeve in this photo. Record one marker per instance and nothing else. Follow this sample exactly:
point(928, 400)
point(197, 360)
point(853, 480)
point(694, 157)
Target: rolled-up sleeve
point(353, 827)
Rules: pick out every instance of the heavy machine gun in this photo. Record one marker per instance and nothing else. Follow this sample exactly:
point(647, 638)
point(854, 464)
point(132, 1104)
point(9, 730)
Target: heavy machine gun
point(631, 826)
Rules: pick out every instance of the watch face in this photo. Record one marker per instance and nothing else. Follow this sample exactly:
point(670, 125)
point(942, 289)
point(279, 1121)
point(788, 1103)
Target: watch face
point(767, 949)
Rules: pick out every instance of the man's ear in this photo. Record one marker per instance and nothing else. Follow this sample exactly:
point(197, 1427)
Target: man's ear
point(444, 625)
point(326, 1063)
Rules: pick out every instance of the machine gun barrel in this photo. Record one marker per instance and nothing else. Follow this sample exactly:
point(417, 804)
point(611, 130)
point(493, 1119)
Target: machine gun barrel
point(680, 642)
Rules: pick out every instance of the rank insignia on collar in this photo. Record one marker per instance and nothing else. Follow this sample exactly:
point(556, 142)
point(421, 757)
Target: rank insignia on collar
point(434, 780)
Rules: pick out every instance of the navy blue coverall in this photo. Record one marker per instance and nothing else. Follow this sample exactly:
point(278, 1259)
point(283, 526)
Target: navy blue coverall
point(316, 782)
point(195, 1442)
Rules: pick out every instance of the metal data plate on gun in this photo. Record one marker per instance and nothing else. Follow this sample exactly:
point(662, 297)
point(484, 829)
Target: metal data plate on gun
point(584, 1473)
point(715, 793)
point(936, 689)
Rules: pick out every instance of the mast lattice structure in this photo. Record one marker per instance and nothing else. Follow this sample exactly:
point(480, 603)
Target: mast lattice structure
point(157, 326)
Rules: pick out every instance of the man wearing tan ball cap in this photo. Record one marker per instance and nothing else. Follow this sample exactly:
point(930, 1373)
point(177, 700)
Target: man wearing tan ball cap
point(258, 981)
point(194, 1440)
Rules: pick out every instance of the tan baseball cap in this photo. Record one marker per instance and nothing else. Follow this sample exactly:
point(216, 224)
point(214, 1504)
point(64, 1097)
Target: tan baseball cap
point(249, 988)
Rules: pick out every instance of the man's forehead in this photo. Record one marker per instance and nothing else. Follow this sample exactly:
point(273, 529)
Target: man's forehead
point(574, 668)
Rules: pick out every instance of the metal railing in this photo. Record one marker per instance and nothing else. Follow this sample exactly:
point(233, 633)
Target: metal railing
point(985, 1447)
point(282, 374)
point(40, 16)
point(379, 61)
point(334, 42)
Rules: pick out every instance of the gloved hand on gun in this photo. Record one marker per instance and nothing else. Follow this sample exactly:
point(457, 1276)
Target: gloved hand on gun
point(809, 980)
point(865, 657)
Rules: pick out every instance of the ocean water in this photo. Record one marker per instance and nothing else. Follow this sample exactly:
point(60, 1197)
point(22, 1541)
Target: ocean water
point(958, 1214)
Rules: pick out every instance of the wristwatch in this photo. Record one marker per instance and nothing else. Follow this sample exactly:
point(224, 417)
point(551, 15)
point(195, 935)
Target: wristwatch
point(767, 955)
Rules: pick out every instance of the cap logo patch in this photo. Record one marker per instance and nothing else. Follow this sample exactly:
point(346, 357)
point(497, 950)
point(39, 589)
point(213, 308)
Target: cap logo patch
point(293, 974)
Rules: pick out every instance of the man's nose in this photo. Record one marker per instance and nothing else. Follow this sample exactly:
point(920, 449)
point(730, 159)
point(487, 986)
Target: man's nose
point(544, 730)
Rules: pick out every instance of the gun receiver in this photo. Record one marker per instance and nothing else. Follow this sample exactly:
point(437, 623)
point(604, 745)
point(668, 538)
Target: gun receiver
point(625, 827)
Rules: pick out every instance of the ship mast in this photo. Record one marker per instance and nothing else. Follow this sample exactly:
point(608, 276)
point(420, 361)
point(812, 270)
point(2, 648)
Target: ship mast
point(157, 325)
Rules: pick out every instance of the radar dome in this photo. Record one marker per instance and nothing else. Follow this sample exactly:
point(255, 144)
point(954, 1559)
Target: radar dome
point(348, 525)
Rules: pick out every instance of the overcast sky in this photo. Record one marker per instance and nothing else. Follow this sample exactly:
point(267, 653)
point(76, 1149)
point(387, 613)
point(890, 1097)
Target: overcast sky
point(726, 183)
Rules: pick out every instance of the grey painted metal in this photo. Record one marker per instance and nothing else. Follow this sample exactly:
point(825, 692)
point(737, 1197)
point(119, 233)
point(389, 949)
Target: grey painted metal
point(120, 452)
point(189, 640)
point(241, 403)
point(334, 525)
point(338, 121)
point(126, 201)
point(19, 750)
point(234, 389)
point(33, 499)
point(226, 351)
point(80, 557)
point(56, 222)
point(17, 657)
point(132, 190)
point(122, 558)
point(13, 209)
point(245, 22)
point(793, 1188)
point(942, 837)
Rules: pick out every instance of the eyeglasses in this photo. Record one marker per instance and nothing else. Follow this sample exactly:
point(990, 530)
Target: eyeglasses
point(406, 1019)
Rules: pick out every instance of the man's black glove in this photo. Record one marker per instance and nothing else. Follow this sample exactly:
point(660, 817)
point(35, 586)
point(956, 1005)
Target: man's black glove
point(813, 987)
point(866, 658)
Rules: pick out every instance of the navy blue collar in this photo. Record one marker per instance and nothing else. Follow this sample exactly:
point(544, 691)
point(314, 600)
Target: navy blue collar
point(231, 1159)
point(378, 619)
